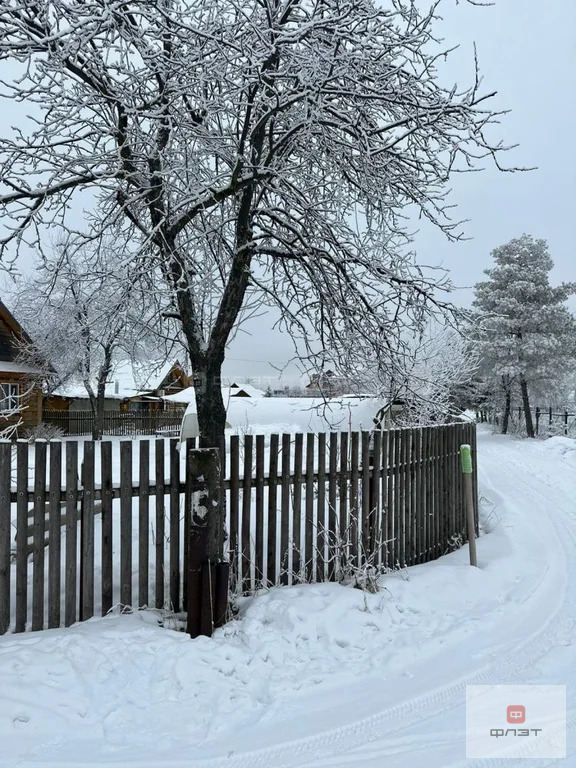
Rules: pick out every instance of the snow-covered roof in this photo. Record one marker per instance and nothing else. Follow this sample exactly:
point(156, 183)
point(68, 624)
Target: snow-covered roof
point(126, 380)
point(10, 367)
point(186, 396)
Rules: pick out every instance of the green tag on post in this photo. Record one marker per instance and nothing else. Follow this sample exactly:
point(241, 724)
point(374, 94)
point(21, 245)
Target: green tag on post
point(466, 459)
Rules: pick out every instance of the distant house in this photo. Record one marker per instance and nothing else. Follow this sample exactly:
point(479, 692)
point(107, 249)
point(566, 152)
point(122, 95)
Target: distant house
point(123, 392)
point(187, 395)
point(325, 384)
point(20, 384)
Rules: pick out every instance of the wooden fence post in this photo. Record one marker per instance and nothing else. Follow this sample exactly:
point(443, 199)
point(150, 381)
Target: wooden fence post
point(207, 593)
point(466, 461)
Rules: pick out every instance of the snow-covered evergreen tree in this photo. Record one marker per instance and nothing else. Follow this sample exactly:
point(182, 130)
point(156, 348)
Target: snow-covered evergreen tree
point(526, 334)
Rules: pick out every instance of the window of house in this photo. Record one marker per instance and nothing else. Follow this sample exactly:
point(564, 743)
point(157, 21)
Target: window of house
point(9, 398)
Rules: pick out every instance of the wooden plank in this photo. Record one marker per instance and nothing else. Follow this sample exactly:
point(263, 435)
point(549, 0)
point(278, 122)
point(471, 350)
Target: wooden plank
point(309, 509)
point(333, 540)
point(297, 510)
point(410, 483)
point(404, 457)
point(87, 534)
point(383, 549)
point(107, 586)
point(71, 568)
point(143, 523)
point(354, 511)
point(285, 510)
point(259, 532)
point(417, 502)
point(343, 511)
point(159, 524)
point(38, 544)
point(438, 502)
point(246, 560)
point(234, 505)
point(21, 535)
point(5, 533)
point(125, 522)
point(374, 528)
point(272, 567)
point(425, 474)
point(365, 520)
point(390, 527)
point(321, 521)
point(54, 534)
point(175, 593)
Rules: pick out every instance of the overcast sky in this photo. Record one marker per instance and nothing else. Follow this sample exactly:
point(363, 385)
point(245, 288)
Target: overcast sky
point(527, 52)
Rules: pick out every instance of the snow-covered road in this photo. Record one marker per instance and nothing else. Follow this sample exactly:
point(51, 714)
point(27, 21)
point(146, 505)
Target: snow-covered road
point(533, 488)
point(322, 676)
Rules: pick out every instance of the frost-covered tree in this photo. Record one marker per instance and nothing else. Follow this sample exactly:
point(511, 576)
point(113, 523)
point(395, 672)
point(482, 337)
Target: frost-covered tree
point(526, 334)
point(265, 149)
point(436, 364)
point(86, 315)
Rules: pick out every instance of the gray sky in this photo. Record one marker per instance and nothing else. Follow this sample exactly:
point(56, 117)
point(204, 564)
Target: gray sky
point(527, 52)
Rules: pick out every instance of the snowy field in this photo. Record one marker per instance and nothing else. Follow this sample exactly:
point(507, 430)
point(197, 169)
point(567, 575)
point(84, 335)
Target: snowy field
point(322, 676)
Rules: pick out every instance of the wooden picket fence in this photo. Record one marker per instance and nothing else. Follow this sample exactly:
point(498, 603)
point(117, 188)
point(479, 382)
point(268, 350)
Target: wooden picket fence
point(117, 423)
point(561, 418)
point(85, 526)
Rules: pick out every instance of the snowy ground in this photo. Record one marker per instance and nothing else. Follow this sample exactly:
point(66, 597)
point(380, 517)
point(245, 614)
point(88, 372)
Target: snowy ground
point(322, 676)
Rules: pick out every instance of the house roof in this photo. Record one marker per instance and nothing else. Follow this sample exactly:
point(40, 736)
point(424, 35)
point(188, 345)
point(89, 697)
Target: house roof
point(126, 380)
point(9, 349)
point(187, 395)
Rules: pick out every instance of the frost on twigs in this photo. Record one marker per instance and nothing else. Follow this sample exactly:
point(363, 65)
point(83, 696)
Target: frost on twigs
point(252, 155)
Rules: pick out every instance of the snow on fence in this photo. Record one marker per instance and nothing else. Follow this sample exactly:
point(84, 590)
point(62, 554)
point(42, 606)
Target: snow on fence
point(119, 423)
point(85, 526)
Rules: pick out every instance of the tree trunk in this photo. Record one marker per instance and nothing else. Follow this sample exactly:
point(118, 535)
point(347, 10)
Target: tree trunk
point(507, 408)
point(211, 413)
point(527, 412)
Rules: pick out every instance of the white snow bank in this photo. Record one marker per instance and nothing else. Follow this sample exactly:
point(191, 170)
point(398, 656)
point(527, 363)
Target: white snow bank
point(304, 414)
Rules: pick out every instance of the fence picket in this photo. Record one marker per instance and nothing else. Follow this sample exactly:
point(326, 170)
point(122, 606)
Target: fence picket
point(309, 518)
point(272, 569)
point(297, 509)
point(246, 560)
point(5, 533)
point(38, 535)
point(174, 525)
point(106, 526)
point(22, 535)
point(159, 531)
point(384, 517)
point(233, 506)
point(71, 568)
point(285, 510)
point(87, 534)
point(333, 539)
point(321, 521)
point(126, 522)
point(343, 526)
point(143, 522)
point(259, 533)
point(354, 510)
point(54, 536)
